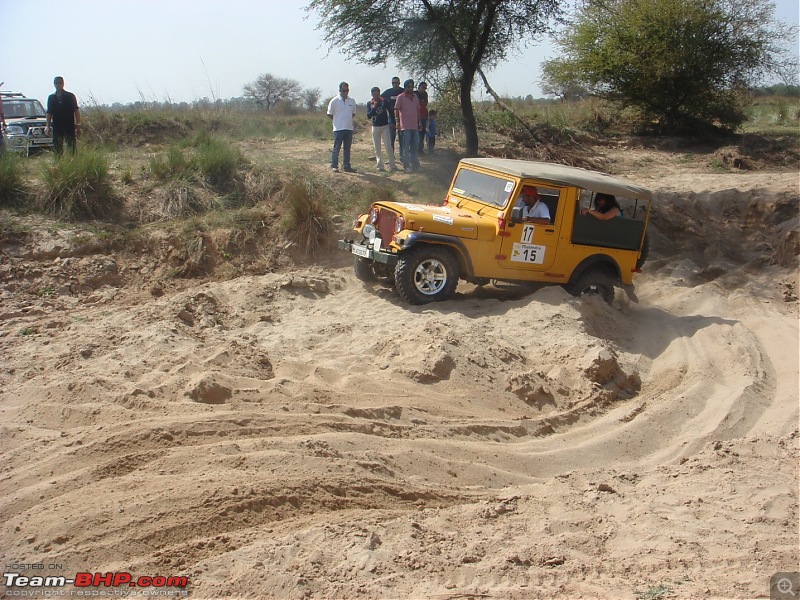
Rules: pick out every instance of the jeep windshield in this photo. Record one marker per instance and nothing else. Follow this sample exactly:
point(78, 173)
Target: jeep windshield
point(482, 187)
point(20, 109)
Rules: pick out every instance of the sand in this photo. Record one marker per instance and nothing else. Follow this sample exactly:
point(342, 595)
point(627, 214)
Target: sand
point(299, 435)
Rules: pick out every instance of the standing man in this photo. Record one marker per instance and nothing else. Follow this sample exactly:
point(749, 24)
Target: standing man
point(406, 112)
point(390, 96)
point(65, 116)
point(378, 112)
point(422, 94)
point(3, 126)
point(341, 110)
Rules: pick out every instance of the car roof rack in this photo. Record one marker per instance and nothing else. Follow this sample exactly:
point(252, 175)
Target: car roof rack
point(12, 94)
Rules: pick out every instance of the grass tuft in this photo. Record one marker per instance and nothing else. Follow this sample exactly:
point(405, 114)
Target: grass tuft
point(78, 186)
point(306, 218)
point(13, 189)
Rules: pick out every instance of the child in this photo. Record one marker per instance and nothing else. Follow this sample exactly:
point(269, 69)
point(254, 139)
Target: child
point(430, 131)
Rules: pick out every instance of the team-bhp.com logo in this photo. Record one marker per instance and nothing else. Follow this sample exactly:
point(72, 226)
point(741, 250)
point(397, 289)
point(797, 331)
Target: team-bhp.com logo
point(152, 584)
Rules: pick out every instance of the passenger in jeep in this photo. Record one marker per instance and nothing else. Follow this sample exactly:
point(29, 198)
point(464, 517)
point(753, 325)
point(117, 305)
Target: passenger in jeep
point(606, 207)
point(534, 211)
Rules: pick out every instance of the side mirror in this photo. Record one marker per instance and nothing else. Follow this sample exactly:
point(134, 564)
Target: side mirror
point(516, 214)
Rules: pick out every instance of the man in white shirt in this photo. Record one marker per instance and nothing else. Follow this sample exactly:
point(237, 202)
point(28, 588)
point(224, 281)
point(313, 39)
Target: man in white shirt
point(341, 111)
point(534, 211)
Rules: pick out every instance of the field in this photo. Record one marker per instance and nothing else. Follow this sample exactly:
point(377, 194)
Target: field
point(195, 384)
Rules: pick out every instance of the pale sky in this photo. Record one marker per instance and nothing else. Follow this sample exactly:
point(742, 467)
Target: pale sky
point(125, 50)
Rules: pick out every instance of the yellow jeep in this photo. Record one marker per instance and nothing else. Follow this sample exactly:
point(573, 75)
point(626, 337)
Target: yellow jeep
point(479, 233)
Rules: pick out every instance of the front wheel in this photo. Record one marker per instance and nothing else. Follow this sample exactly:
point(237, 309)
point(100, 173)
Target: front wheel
point(363, 270)
point(426, 274)
point(593, 283)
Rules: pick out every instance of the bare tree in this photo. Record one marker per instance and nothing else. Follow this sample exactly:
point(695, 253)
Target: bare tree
point(268, 90)
point(310, 98)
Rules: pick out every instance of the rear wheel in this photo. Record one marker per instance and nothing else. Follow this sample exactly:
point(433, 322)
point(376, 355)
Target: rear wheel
point(594, 283)
point(426, 274)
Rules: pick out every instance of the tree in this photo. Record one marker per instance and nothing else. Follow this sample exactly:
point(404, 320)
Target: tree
point(439, 39)
point(681, 63)
point(268, 90)
point(310, 98)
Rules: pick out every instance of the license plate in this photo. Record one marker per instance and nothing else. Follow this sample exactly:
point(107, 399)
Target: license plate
point(42, 141)
point(361, 251)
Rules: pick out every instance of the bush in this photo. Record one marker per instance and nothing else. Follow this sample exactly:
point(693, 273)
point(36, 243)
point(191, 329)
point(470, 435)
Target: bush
point(306, 220)
point(218, 162)
point(13, 189)
point(78, 186)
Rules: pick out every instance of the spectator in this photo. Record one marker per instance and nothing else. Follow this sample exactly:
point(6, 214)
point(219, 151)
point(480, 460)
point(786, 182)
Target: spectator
point(65, 116)
point(3, 126)
point(406, 112)
point(430, 132)
point(378, 112)
point(390, 96)
point(422, 94)
point(341, 110)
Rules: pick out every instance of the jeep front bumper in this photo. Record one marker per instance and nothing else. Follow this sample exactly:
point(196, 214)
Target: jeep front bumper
point(364, 251)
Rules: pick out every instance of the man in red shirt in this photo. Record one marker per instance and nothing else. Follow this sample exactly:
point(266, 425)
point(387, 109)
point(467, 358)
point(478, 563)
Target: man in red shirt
point(406, 112)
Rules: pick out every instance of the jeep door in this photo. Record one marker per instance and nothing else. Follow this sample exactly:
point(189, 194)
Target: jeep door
point(532, 246)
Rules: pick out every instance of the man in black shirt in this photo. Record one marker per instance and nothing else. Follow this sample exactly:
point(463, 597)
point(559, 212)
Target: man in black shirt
point(63, 113)
point(390, 95)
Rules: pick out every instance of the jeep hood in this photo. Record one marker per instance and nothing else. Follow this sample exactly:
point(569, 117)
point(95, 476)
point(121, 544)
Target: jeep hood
point(446, 220)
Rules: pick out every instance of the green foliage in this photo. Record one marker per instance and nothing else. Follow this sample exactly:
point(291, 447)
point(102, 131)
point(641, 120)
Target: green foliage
point(681, 63)
point(78, 186)
point(209, 159)
point(13, 188)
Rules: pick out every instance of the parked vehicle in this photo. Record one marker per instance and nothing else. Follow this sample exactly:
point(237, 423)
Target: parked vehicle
point(478, 234)
point(25, 124)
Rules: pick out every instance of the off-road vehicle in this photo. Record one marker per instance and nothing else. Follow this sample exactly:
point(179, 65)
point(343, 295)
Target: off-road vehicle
point(478, 233)
point(25, 124)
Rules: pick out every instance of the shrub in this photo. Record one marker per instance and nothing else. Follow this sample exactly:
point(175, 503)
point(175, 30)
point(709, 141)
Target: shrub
point(218, 162)
point(306, 220)
point(13, 189)
point(78, 186)
point(174, 167)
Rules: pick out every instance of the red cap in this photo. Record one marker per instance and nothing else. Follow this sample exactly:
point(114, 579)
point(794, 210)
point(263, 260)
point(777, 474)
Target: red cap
point(530, 190)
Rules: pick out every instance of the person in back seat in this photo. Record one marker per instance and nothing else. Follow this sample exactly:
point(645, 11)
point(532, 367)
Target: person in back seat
point(606, 207)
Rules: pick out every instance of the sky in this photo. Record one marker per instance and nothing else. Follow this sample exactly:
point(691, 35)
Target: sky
point(184, 50)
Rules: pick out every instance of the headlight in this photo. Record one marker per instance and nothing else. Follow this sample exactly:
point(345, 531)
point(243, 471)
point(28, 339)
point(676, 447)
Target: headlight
point(15, 130)
point(373, 216)
point(399, 224)
point(369, 232)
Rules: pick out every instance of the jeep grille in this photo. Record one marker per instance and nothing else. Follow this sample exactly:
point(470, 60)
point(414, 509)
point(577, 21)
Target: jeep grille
point(385, 224)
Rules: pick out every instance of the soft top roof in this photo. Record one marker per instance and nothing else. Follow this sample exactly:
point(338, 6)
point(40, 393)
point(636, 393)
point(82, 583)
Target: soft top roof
point(562, 174)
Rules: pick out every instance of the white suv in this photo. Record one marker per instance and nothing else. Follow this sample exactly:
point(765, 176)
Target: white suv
point(25, 123)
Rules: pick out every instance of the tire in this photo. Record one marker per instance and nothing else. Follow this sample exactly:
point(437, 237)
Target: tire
point(426, 274)
point(363, 270)
point(645, 252)
point(594, 283)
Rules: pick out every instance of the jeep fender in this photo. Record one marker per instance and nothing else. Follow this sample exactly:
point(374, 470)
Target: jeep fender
point(598, 261)
point(421, 237)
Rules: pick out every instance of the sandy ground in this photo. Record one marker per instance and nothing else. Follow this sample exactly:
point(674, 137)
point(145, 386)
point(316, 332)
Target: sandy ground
point(299, 435)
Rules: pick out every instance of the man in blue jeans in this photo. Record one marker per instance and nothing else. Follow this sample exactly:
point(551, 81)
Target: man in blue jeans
point(406, 112)
point(341, 111)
